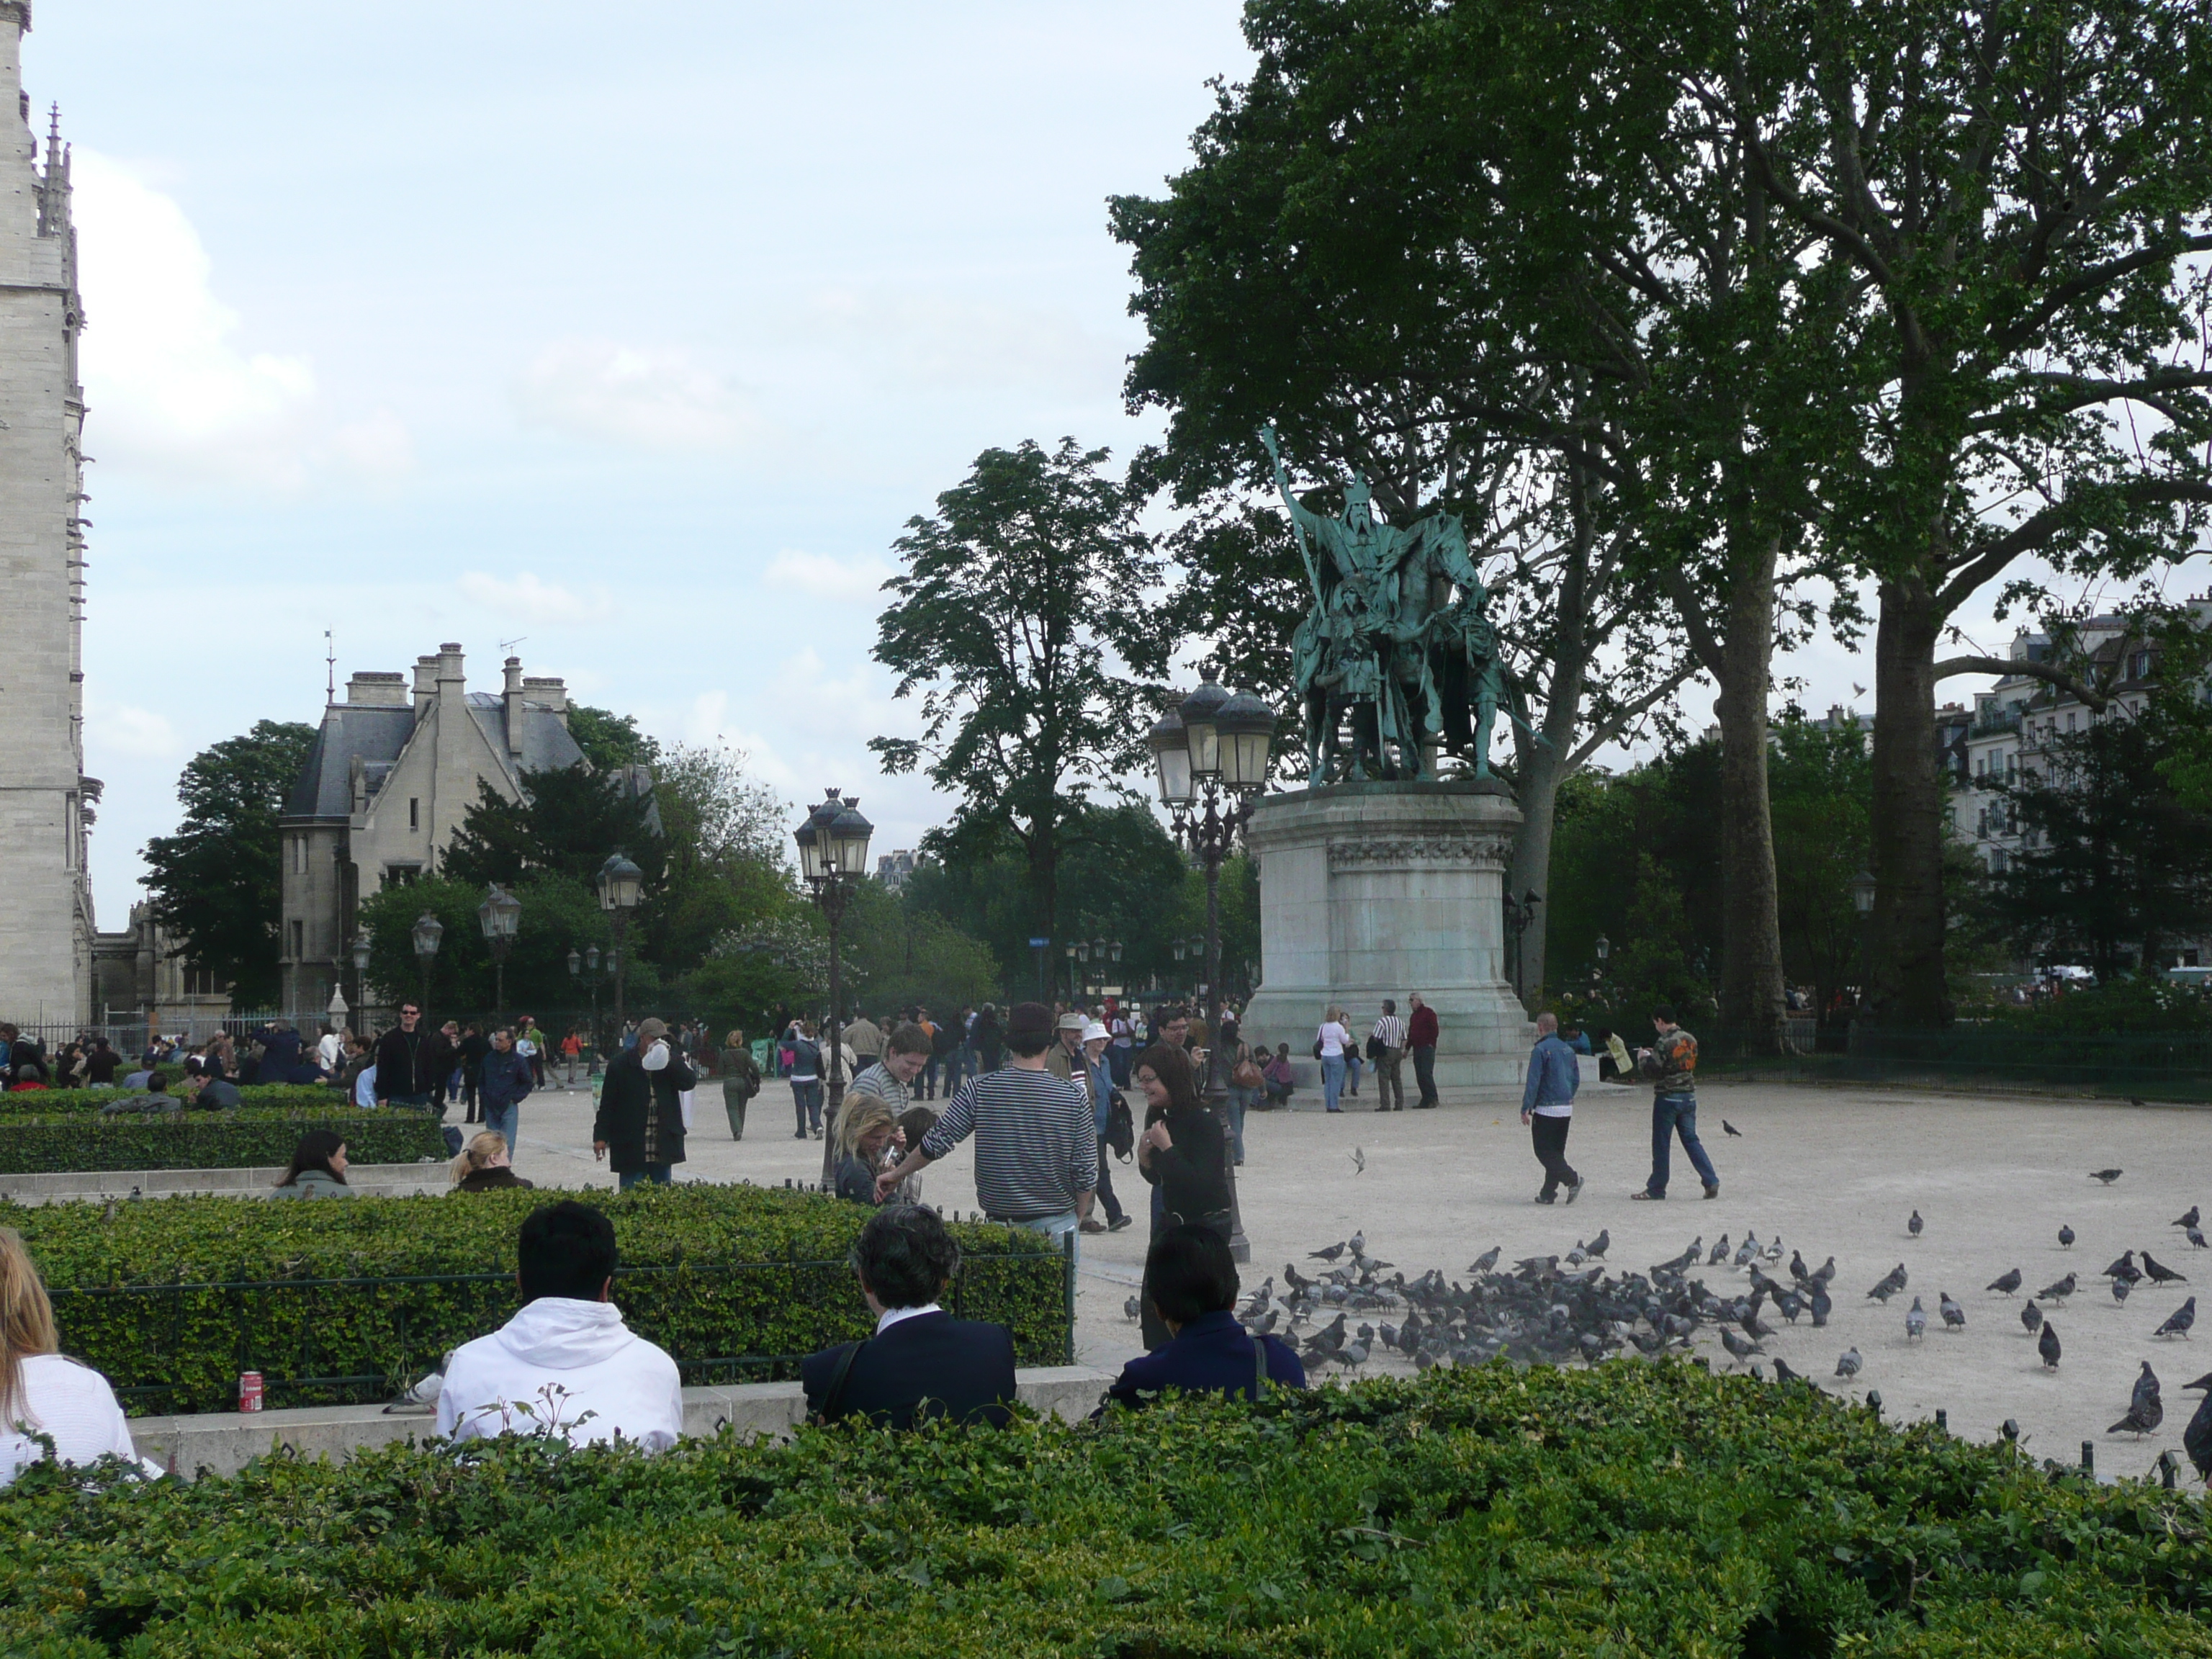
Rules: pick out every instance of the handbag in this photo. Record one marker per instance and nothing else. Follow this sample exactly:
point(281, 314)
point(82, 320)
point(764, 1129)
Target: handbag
point(1248, 1074)
point(1374, 1049)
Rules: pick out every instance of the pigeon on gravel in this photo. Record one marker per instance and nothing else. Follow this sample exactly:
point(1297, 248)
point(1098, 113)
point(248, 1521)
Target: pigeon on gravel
point(1915, 1320)
point(2005, 1283)
point(2059, 1292)
point(1783, 1373)
point(1798, 1270)
point(1487, 1260)
point(1729, 1128)
point(1329, 1255)
point(2160, 1273)
point(2195, 1237)
point(2124, 1267)
point(2065, 1236)
point(1132, 1308)
point(2108, 1177)
point(2188, 1217)
point(1719, 1252)
point(1597, 1247)
point(2120, 1289)
point(1892, 1283)
point(1740, 1346)
point(2178, 1321)
point(1848, 1364)
point(2197, 1439)
point(2145, 1410)
point(1914, 1225)
point(1954, 1316)
point(2047, 1346)
point(2032, 1316)
point(1820, 1305)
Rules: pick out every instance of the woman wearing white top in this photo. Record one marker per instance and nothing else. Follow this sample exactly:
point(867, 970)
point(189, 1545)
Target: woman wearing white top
point(1332, 1039)
point(40, 1392)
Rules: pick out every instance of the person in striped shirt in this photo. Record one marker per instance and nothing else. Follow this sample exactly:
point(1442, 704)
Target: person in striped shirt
point(1389, 1039)
point(1037, 1149)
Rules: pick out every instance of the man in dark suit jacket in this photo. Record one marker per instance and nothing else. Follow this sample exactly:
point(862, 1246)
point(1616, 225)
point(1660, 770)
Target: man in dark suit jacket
point(1193, 1285)
point(921, 1362)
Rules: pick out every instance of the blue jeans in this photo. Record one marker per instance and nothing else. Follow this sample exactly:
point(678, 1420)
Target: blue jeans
point(1058, 1228)
point(1331, 1081)
point(659, 1174)
point(502, 1120)
point(1241, 1100)
point(1351, 1069)
point(806, 1098)
point(1672, 1115)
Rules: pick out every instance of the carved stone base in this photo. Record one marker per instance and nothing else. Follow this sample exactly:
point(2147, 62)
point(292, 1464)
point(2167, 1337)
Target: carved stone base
point(1369, 890)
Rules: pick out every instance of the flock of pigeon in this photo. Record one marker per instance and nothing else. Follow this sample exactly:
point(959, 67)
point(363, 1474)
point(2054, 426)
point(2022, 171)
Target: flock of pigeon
point(1556, 1308)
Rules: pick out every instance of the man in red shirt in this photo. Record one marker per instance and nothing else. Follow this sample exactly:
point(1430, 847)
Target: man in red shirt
point(1421, 1038)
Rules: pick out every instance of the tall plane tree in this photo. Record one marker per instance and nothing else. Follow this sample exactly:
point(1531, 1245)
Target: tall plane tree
point(1020, 621)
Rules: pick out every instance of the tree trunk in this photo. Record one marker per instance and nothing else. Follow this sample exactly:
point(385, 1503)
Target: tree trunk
point(1542, 769)
point(1905, 932)
point(1751, 923)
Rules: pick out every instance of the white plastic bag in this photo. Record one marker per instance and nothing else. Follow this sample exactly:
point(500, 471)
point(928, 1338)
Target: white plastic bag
point(685, 1100)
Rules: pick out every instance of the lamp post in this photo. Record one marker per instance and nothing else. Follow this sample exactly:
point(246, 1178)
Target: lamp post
point(500, 915)
point(428, 930)
point(360, 952)
point(622, 884)
point(833, 856)
point(1076, 952)
point(1519, 913)
point(1211, 753)
point(586, 968)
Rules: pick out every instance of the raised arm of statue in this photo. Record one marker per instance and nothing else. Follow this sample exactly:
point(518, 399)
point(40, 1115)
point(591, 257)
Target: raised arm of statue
point(1302, 520)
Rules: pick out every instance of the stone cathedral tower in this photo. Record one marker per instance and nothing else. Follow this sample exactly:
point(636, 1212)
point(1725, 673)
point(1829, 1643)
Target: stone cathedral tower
point(45, 901)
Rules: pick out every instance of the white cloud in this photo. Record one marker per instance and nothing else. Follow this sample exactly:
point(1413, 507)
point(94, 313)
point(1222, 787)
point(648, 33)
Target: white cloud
point(631, 395)
point(818, 575)
point(523, 598)
point(124, 729)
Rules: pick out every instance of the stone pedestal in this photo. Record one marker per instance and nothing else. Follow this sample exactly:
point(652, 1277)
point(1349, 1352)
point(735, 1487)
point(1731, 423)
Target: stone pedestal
point(1369, 890)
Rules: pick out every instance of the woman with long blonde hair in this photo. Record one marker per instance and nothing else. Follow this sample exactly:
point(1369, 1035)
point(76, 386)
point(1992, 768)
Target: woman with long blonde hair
point(866, 1127)
point(482, 1166)
point(42, 1393)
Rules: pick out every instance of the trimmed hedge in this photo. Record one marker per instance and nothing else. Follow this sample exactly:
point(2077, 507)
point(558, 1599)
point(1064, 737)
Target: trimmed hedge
point(718, 1276)
point(243, 1137)
point(1629, 1509)
point(84, 1102)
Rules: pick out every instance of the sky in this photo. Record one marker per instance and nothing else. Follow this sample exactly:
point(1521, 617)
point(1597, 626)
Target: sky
point(634, 334)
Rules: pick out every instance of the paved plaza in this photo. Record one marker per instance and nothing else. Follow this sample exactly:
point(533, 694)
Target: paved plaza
point(1834, 1171)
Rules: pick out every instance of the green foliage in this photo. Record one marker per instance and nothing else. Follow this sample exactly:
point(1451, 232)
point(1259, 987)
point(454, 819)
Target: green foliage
point(726, 865)
point(1021, 617)
point(2122, 1006)
point(558, 914)
point(216, 884)
point(1819, 788)
point(1627, 1510)
point(609, 741)
point(567, 822)
point(77, 1103)
point(730, 1279)
point(243, 1137)
point(897, 954)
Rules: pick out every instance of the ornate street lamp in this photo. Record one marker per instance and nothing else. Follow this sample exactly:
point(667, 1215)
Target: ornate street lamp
point(622, 885)
point(833, 857)
point(361, 953)
point(500, 916)
point(1211, 756)
point(428, 930)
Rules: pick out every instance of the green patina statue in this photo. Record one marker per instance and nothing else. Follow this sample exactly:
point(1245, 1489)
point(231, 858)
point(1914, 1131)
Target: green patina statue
point(1398, 645)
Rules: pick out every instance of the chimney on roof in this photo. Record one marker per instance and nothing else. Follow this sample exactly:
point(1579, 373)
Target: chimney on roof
point(452, 684)
point(377, 690)
point(426, 685)
point(513, 695)
point(549, 692)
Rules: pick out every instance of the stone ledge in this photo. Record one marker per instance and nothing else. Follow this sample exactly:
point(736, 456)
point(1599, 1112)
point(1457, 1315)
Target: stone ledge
point(222, 1443)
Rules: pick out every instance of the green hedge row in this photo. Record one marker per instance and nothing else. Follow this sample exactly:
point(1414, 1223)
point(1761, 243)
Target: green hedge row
point(711, 1273)
point(1630, 1510)
point(244, 1138)
point(86, 1103)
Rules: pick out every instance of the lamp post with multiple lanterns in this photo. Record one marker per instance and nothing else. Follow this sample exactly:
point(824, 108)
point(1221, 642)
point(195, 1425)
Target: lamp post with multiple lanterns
point(1211, 753)
point(428, 930)
point(500, 916)
point(833, 857)
point(584, 965)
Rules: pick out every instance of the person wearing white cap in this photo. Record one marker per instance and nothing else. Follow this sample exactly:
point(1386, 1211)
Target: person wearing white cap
point(1098, 1078)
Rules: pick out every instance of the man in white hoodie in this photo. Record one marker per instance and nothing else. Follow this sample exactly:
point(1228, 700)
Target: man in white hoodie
point(566, 1364)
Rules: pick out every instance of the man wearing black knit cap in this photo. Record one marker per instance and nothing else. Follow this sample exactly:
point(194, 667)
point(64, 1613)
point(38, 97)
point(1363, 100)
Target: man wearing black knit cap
point(1036, 1148)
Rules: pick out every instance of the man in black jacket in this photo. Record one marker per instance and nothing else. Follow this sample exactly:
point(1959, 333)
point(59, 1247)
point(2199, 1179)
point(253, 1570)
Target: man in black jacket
point(403, 1074)
point(921, 1363)
point(639, 1126)
point(474, 1045)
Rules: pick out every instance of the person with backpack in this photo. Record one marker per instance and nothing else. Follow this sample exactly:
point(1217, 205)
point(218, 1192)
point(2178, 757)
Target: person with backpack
point(1117, 1131)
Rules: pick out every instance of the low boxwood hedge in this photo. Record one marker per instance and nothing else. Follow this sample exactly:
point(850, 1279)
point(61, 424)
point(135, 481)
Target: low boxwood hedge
point(336, 1300)
point(86, 1103)
point(243, 1137)
point(1630, 1510)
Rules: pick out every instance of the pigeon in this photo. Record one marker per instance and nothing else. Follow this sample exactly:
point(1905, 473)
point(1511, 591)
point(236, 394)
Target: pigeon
point(1329, 1255)
point(2203, 1381)
point(2047, 1346)
point(1783, 1373)
point(2005, 1283)
point(2032, 1316)
point(1914, 1225)
point(1729, 1128)
point(1798, 1271)
point(1791, 1305)
point(421, 1397)
point(2188, 1217)
point(1849, 1362)
point(2161, 1274)
point(2178, 1321)
point(2065, 1236)
point(2108, 1177)
point(2124, 1267)
point(1359, 1242)
point(2120, 1289)
point(1826, 1272)
point(1719, 1252)
point(2196, 1438)
point(1820, 1305)
point(1133, 1309)
point(1748, 1254)
point(2145, 1412)
point(1915, 1320)
point(2195, 1237)
point(1597, 1247)
point(1487, 1260)
point(1358, 1160)
point(2059, 1292)
point(1892, 1283)
point(1742, 1347)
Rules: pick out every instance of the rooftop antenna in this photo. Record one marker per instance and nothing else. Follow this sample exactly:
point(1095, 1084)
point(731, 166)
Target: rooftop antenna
point(506, 647)
point(330, 666)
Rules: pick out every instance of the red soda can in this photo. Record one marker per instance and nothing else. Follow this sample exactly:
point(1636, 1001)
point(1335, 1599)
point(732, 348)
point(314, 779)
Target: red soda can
point(249, 1391)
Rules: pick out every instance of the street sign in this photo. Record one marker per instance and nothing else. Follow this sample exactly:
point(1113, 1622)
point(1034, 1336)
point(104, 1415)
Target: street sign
point(1039, 943)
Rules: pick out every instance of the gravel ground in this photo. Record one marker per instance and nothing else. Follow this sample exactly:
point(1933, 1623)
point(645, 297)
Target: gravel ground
point(1834, 1171)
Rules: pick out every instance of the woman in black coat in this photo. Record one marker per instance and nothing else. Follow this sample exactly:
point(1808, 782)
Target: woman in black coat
point(1182, 1151)
point(639, 1126)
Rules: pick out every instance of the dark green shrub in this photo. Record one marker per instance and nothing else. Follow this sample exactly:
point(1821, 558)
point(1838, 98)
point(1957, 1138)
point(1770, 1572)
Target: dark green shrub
point(173, 1299)
point(86, 1103)
point(1626, 1510)
point(244, 1138)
